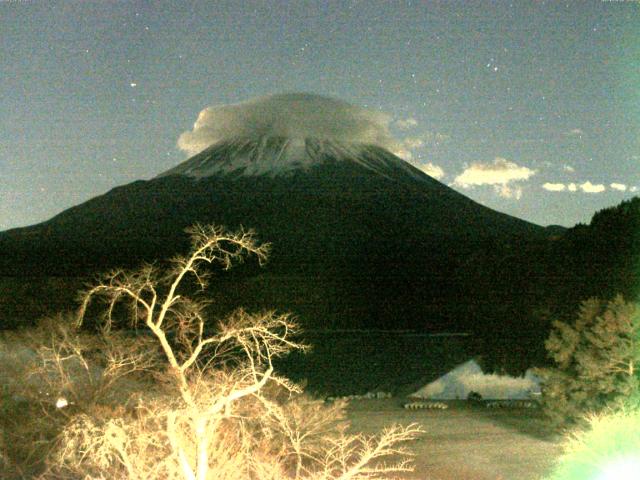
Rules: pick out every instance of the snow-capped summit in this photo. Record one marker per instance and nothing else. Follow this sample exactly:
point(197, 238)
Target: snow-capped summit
point(275, 156)
point(278, 135)
point(289, 115)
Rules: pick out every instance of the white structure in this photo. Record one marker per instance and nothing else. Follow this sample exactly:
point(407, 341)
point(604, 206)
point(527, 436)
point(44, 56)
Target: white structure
point(468, 377)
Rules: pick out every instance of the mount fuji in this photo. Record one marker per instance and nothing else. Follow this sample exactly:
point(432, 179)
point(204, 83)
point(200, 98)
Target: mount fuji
point(360, 238)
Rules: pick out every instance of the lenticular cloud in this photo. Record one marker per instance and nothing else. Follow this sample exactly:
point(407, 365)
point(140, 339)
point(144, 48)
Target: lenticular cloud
point(294, 115)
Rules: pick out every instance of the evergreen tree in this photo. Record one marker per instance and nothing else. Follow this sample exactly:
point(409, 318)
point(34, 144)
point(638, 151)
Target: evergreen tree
point(597, 360)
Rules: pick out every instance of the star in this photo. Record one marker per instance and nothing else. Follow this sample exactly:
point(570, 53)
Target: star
point(491, 64)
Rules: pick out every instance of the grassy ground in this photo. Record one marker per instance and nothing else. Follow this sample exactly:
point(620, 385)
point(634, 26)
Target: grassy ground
point(467, 442)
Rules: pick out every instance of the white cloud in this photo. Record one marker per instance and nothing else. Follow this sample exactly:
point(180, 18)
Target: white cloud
point(406, 124)
point(406, 148)
point(633, 189)
point(554, 187)
point(586, 187)
point(500, 172)
point(505, 191)
point(589, 187)
point(404, 154)
point(575, 132)
point(294, 115)
point(621, 187)
point(436, 138)
point(412, 143)
point(568, 168)
point(432, 170)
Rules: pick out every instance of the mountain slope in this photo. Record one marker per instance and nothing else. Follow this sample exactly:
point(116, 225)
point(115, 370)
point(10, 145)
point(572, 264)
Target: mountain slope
point(360, 238)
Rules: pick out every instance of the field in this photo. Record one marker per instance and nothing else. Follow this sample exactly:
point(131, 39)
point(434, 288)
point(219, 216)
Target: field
point(466, 442)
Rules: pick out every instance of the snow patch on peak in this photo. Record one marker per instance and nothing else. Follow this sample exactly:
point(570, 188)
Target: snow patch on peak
point(276, 155)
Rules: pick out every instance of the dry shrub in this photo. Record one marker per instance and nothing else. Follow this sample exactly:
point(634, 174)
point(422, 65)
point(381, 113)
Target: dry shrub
point(53, 372)
point(28, 420)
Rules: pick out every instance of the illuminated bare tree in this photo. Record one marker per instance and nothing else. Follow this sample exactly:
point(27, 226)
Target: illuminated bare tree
point(221, 411)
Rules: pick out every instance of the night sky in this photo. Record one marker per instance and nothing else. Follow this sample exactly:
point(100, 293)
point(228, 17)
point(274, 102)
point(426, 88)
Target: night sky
point(531, 108)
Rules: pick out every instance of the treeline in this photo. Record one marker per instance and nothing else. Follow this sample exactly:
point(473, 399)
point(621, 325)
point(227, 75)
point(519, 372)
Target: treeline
point(523, 287)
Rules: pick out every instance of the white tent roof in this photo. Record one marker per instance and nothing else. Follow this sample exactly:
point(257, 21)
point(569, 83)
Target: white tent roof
point(468, 377)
